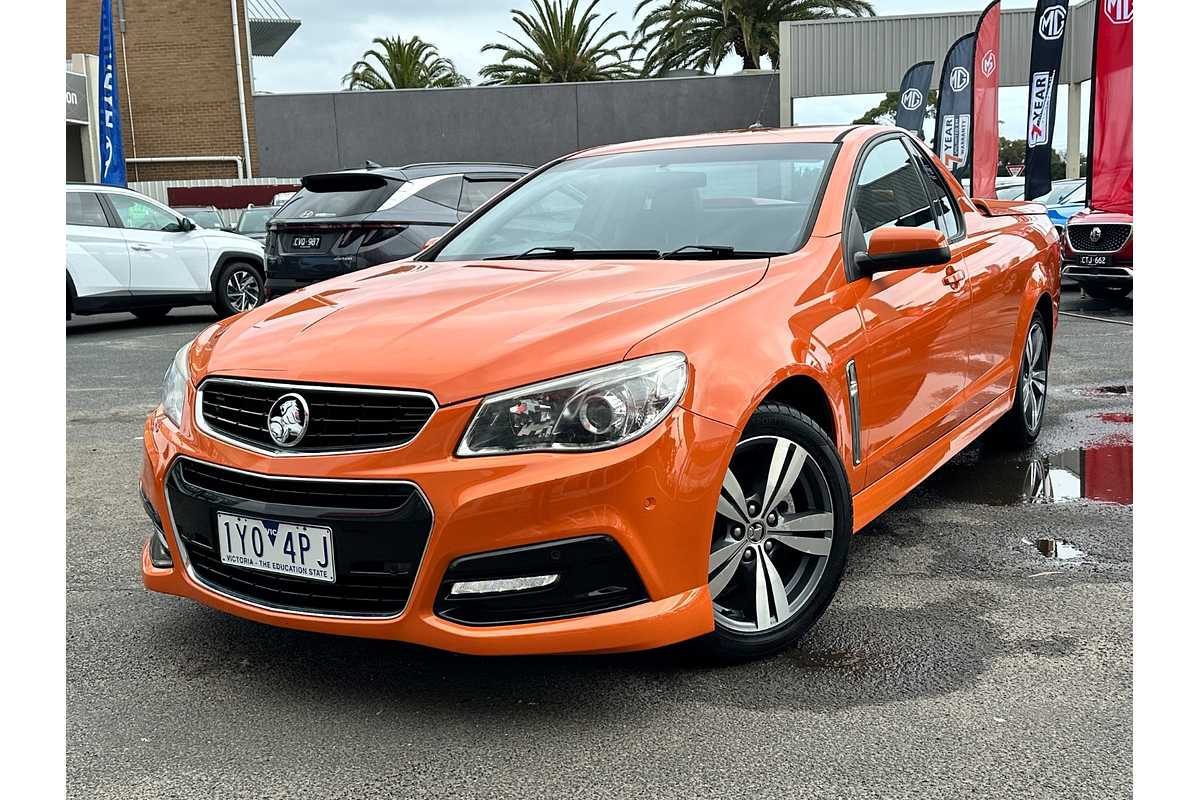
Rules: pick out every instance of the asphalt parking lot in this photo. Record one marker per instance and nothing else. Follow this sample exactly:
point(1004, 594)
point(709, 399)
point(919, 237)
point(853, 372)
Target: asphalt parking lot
point(957, 660)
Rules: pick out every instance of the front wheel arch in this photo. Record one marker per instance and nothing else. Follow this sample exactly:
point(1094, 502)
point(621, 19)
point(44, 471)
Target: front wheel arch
point(231, 256)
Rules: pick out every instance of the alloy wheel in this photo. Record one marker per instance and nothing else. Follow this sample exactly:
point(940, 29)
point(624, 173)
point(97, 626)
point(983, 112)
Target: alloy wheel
point(1033, 376)
point(243, 290)
point(772, 536)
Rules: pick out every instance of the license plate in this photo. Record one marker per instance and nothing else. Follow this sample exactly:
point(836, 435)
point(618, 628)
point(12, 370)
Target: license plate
point(305, 242)
point(1095, 261)
point(284, 548)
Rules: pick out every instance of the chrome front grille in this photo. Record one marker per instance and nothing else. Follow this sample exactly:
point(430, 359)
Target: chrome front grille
point(340, 419)
point(1111, 239)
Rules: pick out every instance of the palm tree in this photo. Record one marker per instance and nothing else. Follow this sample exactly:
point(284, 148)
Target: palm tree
point(699, 34)
point(563, 45)
point(398, 64)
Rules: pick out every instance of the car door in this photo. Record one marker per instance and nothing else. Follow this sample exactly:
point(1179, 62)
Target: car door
point(97, 256)
point(993, 288)
point(917, 321)
point(163, 259)
point(989, 252)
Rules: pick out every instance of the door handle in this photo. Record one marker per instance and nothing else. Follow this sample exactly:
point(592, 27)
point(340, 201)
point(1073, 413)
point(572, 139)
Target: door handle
point(954, 278)
point(140, 247)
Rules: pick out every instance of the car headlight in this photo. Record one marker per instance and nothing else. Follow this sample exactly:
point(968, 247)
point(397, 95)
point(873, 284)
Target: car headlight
point(174, 385)
point(591, 410)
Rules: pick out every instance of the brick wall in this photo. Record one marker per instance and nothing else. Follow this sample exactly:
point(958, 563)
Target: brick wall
point(181, 83)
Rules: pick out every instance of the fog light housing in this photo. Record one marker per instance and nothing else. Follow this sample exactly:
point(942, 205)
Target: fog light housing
point(160, 554)
point(503, 585)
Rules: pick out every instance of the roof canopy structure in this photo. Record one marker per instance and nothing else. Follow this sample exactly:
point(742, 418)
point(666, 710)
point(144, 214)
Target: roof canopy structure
point(270, 26)
point(869, 55)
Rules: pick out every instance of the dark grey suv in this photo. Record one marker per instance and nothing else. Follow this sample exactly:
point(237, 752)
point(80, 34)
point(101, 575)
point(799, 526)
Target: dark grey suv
point(351, 219)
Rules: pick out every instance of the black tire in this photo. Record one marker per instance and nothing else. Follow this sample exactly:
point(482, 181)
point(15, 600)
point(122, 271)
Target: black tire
point(1109, 292)
point(151, 314)
point(775, 420)
point(229, 300)
point(1014, 431)
point(70, 297)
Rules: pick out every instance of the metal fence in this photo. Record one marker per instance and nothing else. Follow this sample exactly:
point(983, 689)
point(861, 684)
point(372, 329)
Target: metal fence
point(230, 216)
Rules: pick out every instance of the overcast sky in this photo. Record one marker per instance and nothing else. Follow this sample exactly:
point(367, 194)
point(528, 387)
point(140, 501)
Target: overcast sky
point(333, 35)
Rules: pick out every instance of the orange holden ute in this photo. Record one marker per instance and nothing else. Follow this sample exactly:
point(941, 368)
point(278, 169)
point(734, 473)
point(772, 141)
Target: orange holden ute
point(645, 395)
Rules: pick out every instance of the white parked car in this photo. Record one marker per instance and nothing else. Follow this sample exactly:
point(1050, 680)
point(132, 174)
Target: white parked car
point(128, 252)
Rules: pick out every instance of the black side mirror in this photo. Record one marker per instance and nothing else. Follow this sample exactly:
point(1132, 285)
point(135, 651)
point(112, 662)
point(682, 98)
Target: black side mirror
point(183, 226)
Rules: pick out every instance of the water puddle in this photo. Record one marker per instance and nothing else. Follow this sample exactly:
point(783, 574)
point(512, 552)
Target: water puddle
point(1105, 391)
point(1101, 472)
point(1057, 549)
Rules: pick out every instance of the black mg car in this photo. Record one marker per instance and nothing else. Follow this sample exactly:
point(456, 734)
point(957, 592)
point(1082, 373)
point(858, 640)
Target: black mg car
point(347, 220)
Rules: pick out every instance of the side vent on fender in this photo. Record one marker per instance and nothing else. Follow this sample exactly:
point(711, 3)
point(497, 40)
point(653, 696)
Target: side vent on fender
point(855, 418)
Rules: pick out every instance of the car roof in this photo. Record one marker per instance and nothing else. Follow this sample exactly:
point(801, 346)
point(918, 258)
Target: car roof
point(426, 169)
point(755, 135)
point(80, 186)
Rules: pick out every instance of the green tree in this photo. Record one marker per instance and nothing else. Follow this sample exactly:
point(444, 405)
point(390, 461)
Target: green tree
point(398, 64)
point(562, 44)
point(1012, 151)
point(699, 34)
point(885, 112)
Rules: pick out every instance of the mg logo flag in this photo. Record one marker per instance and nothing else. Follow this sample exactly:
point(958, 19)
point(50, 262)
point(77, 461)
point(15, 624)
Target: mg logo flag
point(959, 79)
point(112, 150)
point(1110, 161)
point(1045, 58)
point(1119, 12)
point(953, 132)
point(914, 86)
point(1052, 22)
point(985, 109)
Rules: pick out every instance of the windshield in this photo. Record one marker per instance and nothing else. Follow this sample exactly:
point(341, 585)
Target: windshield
point(254, 220)
point(702, 201)
point(1059, 192)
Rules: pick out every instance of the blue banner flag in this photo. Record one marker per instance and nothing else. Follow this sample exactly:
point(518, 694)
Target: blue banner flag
point(112, 150)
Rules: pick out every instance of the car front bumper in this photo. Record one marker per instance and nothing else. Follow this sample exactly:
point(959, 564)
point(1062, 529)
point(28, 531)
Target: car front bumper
point(655, 497)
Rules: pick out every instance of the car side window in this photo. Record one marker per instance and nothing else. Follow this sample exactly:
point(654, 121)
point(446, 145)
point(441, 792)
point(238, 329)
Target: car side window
point(476, 193)
point(83, 208)
point(944, 206)
point(444, 192)
point(140, 215)
point(889, 190)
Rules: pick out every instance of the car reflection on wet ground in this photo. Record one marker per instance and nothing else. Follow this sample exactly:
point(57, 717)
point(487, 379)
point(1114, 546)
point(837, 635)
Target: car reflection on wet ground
point(1102, 472)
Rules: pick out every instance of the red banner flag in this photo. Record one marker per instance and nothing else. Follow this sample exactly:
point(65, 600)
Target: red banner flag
point(985, 126)
point(1110, 141)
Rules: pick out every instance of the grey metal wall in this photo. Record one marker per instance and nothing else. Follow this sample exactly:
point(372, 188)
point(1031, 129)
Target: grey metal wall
point(869, 55)
point(304, 133)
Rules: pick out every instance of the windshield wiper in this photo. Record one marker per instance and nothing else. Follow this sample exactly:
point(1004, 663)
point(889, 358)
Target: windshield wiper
point(566, 251)
point(716, 251)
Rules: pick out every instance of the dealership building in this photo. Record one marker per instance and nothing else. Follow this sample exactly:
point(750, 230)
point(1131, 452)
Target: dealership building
point(176, 124)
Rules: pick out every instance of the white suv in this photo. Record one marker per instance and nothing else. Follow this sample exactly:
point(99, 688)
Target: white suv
point(127, 252)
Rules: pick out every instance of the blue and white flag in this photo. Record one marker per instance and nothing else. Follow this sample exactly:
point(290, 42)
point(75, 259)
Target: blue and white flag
point(112, 150)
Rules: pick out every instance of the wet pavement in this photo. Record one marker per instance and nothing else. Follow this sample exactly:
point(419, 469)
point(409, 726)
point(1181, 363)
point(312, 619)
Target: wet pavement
point(980, 644)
